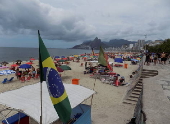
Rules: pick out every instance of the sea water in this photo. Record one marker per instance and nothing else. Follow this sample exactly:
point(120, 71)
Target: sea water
point(11, 54)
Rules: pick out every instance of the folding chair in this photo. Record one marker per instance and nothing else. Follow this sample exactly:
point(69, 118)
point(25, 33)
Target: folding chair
point(22, 79)
point(28, 78)
point(11, 79)
point(4, 81)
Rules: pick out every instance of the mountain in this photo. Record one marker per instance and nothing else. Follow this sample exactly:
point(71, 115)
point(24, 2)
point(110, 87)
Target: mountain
point(118, 42)
point(96, 43)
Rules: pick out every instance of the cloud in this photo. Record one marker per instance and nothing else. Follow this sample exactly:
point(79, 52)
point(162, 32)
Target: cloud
point(85, 19)
point(28, 16)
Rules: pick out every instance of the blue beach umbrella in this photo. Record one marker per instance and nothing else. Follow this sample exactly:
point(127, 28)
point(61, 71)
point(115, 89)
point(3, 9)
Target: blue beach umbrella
point(63, 57)
point(25, 66)
point(7, 72)
point(57, 56)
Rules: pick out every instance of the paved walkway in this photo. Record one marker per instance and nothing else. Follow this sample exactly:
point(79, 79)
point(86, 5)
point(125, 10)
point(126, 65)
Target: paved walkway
point(156, 95)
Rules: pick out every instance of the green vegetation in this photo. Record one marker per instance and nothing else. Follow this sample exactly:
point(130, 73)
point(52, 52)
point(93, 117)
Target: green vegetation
point(164, 47)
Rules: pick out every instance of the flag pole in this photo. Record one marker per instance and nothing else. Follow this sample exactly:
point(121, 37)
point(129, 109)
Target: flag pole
point(40, 67)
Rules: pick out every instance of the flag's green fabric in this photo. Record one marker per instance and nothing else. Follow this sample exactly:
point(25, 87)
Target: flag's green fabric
point(101, 58)
point(55, 86)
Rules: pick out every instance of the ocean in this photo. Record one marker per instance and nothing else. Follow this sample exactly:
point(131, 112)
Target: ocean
point(11, 54)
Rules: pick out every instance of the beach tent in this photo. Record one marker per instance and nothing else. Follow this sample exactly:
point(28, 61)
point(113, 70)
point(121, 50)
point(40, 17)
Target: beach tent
point(27, 99)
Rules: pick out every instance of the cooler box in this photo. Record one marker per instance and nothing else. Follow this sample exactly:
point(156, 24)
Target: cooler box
point(15, 119)
point(75, 81)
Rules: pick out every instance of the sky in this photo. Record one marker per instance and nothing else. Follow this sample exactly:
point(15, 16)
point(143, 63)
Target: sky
point(65, 23)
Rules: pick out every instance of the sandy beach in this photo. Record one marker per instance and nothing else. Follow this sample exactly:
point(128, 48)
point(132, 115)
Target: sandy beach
point(107, 106)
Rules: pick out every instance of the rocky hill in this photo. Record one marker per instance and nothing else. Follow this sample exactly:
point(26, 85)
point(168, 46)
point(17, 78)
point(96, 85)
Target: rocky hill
point(96, 43)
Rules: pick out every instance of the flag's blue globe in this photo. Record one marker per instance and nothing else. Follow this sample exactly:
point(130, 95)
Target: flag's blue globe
point(54, 82)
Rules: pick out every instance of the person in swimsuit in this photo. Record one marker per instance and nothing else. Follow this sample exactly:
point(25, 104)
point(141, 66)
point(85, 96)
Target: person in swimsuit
point(163, 58)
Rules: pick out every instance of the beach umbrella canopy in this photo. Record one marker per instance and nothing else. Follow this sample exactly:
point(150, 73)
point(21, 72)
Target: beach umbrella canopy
point(76, 55)
point(65, 67)
point(59, 69)
point(7, 72)
point(25, 66)
point(4, 62)
point(134, 60)
point(14, 65)
point(32, 59)
point(29, 63)
point(61, 60)
point(63, 57)
point(57, 57)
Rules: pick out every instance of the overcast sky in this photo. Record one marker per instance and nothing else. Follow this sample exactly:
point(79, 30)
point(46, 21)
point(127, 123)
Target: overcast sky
point(65, 23)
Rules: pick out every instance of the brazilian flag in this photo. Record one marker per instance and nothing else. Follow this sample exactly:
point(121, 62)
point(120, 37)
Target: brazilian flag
point(57, 92)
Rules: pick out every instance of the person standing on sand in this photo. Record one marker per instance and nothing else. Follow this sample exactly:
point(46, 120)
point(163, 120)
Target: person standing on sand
point(159, 58)
point(163, 58)
point(155, 58)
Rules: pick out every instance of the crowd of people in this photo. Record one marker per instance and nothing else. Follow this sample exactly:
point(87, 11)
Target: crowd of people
point(156, 58)
point(23, 75)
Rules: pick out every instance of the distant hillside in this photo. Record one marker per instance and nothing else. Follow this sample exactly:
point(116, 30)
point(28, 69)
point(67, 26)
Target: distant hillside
point(118, 42)
point(96, 43)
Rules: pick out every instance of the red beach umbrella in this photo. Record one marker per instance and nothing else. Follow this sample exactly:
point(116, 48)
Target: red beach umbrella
point(32, 59)
point(29, 63)
point(59, 69)
point(64, 58)
point(14, 65)
point(57, 59)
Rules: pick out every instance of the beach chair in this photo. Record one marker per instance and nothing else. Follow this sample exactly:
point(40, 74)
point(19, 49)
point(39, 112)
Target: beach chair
point(22, 79)
point(4, 81)
point(11, 79)
point(28, 78)
point(36, 76)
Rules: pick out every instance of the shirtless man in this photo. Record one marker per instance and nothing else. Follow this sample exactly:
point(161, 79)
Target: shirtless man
point(163, 58)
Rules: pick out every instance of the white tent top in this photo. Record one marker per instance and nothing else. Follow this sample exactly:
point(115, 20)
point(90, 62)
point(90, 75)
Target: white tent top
point(27, 99)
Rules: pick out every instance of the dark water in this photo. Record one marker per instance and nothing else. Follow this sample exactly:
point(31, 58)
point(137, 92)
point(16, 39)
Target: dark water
point(11, 54)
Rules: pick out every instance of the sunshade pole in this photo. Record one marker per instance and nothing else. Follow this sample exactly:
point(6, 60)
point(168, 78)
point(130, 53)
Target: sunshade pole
point(41, 101)
point(93, 89)
point(41, 77)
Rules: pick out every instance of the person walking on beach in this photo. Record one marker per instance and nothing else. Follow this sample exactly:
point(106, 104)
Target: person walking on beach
point(155, 58)
point(159, 58)
point(147, 60)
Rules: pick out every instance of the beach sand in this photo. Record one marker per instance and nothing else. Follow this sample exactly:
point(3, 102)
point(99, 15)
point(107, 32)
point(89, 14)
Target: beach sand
point(107, 106)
